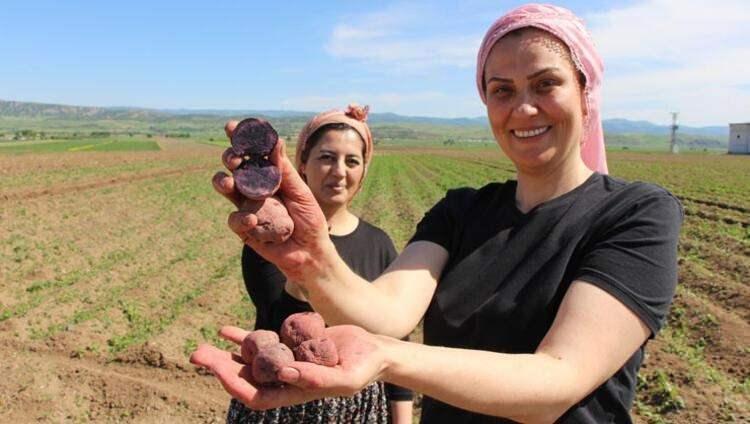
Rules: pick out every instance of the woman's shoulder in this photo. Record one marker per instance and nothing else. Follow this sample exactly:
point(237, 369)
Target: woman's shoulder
point(368, 250)
point(635, 190)
point(616, 197)
point(465, 196)
point(366, 229)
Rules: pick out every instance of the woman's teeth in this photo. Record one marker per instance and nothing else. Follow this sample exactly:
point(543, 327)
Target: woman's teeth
point(529, 133)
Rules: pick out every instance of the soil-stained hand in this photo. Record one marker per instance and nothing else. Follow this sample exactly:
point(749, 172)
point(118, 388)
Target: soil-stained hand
point(360, 362)
point(310, 235)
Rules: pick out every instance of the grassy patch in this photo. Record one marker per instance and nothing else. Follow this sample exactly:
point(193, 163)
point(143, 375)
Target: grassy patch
point(90, 145)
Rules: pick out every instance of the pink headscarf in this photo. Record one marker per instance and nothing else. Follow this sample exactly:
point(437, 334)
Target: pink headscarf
point(563, 24)
point(354, 115)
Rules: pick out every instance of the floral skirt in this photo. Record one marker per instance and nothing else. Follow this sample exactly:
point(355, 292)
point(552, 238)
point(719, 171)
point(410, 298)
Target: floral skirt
point(366, 407)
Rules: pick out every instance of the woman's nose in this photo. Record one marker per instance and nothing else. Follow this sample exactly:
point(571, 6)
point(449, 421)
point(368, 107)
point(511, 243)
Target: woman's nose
point(339, 168)
point(526, 106)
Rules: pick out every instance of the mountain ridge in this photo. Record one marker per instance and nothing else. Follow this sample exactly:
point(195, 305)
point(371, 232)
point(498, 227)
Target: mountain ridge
point(34, 110)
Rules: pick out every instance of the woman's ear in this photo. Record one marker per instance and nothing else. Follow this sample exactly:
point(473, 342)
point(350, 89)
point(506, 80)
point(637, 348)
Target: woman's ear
point(584, 104)
point(301, 172)
point(582, 86)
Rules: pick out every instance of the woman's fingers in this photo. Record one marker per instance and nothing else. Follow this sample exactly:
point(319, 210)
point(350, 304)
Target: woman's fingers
point(230, 160)
point(297, 197)
point(236, 379)
point(242, 223)
point(293, 187)
point(210, 357)
point(310, 376)
point(232, 374)
point(224, 184)
point(229, 128)
point(233, 334)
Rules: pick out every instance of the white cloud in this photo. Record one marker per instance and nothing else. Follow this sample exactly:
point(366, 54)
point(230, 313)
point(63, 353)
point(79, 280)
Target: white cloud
point(421, 103)
point(660, 56)
point(670, 29)
point(665, 55)
point(385, 38)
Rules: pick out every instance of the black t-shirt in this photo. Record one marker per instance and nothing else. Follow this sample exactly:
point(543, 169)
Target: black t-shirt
point(508, 272)
point(367, 250)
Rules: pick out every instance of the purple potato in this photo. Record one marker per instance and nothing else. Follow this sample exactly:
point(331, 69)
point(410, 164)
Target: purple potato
point(274, 223)
point(302, 326)
point(257, 179)
point(253, 140)
point(254, 137)
point(318, 351)
point(254, 342)
point(269, 361)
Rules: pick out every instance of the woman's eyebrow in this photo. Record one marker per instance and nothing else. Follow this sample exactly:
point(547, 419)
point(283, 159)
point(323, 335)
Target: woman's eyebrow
point(529, 77)
point(542, 71)
point(499, 79)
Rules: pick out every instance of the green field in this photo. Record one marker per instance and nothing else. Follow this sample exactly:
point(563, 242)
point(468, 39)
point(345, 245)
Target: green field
point(88, 145)
point(115, 263)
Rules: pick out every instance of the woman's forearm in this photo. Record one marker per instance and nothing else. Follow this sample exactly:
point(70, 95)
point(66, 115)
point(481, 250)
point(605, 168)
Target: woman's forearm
point(402, 411)
point(391, 305)
point(523, 387)
point(343, 297)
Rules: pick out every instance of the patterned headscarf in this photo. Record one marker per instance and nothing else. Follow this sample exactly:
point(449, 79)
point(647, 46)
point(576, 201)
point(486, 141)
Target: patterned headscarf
point(563, 24)
point(354, 115)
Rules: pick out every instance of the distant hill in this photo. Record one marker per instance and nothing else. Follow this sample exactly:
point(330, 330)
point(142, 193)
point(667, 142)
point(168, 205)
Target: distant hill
point(44, 110)
point(625, 126)
point(17, 116)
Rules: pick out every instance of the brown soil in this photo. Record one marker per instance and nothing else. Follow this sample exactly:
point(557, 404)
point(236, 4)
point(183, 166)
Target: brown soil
point(66, 247)
point(50, 385)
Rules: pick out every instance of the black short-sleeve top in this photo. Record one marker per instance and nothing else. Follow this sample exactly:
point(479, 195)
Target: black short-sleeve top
point(508, 271)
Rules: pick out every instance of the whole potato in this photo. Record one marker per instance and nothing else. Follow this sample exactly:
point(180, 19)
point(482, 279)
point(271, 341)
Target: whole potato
point(255, 341)
point(300, 327)
point(269, 361)
point(274, 223)
point(318, 351)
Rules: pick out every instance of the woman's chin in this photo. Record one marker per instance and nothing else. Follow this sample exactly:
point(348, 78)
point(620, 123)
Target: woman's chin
point(535, 161)
point(334, 202)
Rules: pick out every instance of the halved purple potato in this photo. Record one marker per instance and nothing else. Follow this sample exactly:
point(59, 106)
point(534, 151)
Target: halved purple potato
point(257, 179)
point(254, 139)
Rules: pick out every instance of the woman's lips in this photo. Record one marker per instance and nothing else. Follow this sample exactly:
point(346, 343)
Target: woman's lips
point(336, 188)
point(530, 132)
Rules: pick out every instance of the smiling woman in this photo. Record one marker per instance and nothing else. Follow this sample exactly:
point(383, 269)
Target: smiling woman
point(332, 164)
point(535, 101)
point(538, 295)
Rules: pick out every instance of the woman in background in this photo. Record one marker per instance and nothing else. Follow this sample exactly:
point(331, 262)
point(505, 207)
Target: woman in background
point(333, 153)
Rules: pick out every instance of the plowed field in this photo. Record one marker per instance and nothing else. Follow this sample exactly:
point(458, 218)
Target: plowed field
point(115, 265)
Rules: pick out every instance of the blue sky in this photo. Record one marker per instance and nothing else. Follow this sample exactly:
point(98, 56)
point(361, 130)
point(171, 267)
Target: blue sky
point(407, 57)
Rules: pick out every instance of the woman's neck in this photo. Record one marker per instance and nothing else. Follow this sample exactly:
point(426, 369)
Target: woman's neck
point(536, 188)
point(340, 221)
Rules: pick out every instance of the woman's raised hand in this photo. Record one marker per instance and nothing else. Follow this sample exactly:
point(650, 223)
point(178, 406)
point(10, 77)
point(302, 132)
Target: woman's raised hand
point(361, 362)
point(310, 236)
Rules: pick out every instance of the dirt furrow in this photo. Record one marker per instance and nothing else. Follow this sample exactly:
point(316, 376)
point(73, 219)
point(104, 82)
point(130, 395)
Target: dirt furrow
point(71, 189)
point(721, 205)
point(53, 386)
point(731, 295)
point(716, 218)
